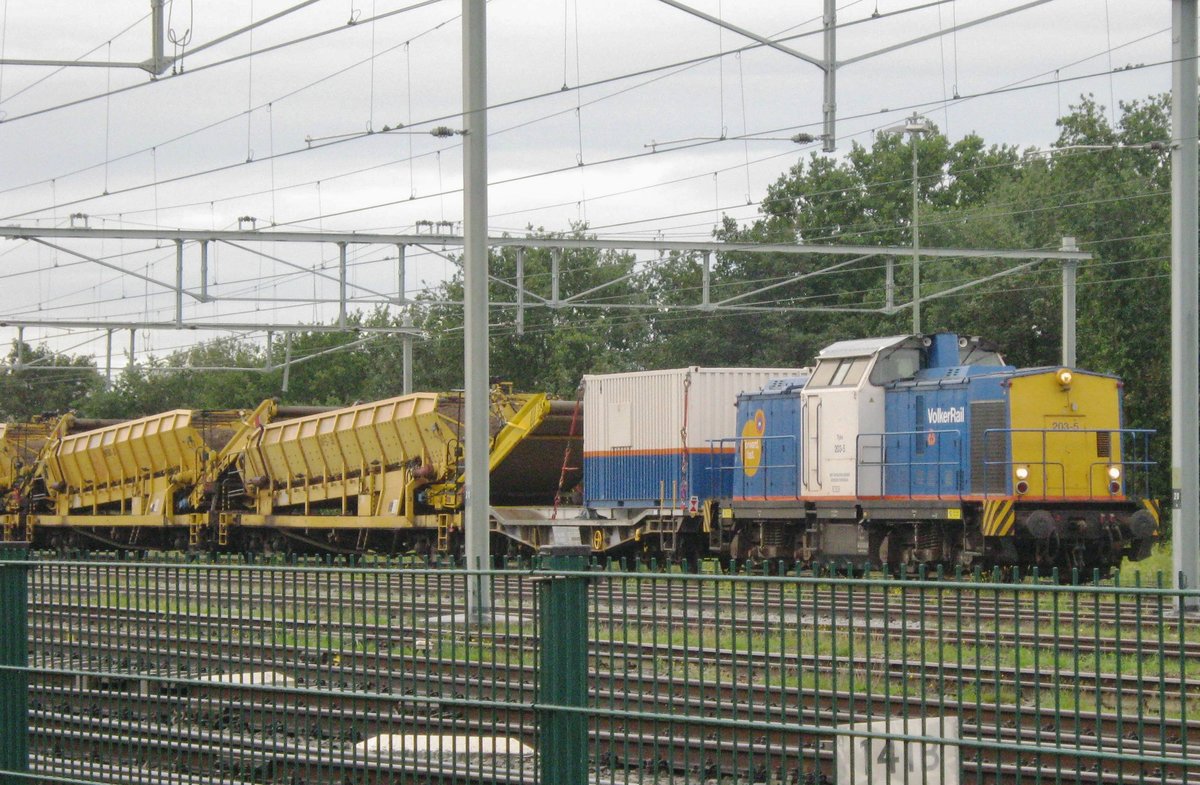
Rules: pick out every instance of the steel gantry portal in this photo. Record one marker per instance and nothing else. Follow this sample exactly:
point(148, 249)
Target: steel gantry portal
point(191, 281)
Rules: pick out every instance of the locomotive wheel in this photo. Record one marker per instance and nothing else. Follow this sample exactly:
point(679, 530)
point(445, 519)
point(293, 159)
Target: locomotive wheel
point(885, 550)
point(876, 545)
point(739, 550)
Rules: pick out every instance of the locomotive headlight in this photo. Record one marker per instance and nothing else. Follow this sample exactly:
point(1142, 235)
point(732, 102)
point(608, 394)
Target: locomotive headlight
point(1114, 479)
point(1064, 377)
point(1022, 473)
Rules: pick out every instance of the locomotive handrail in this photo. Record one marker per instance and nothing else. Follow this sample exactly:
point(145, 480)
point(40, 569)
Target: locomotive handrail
point(817, 438)
point(1143, 465)
point(764, 468)
point(1140, 466)
point(1130, 453)
point(883, 463)
point(1009, 462)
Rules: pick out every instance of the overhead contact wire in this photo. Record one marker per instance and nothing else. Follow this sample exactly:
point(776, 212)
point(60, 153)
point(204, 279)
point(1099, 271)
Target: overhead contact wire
point(591, 84)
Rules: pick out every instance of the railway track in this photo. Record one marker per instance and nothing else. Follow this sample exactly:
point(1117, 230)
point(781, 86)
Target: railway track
point(642, 672)
point(259, 730)
point(345, 620)
point(1091, 604)
point(161, 644)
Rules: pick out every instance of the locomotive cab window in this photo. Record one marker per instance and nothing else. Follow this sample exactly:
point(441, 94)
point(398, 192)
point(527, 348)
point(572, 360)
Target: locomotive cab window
point(839, 372)
point(974, 354)
point(899, 363)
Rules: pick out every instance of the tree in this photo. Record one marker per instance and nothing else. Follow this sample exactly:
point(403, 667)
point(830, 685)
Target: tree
point(864, 199)
point(1118, 202)
point(556, 343)
point(38, 381)
point(178, 381)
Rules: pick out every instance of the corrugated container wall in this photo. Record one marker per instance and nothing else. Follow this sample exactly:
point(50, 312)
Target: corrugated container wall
point(648, 437)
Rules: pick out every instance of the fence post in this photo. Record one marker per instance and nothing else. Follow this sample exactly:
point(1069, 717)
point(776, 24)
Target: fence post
point(14, 657)
point(563, 670)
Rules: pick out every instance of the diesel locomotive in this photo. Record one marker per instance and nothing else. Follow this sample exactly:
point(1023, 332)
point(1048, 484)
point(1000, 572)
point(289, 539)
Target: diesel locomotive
point(930, 450)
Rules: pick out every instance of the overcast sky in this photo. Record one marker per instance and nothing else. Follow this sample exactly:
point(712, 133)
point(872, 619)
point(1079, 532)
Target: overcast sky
point(224, 136)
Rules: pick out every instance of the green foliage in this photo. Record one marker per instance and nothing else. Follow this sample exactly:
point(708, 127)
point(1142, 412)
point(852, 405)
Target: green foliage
point(1121, 200)
point(37, 381)
point(555, 345)
point(161, 384)
point(336, 368)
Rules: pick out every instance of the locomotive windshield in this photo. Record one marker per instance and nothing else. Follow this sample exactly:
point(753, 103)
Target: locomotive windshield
point(900, 363)
point(839, 372)
point(974, 354)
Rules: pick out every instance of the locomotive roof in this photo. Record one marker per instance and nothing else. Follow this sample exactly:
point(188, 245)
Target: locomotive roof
point(861, 347)
point(964, 374)
point(1056, 368)
point(952, 375)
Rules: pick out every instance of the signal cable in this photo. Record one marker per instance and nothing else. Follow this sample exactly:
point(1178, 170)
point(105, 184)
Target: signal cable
point(3, 50)
point(690, 62)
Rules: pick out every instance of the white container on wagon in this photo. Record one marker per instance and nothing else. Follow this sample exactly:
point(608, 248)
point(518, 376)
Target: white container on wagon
point(650, 438)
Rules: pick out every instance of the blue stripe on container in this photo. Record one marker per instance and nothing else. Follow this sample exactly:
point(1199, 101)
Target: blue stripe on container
point(639, 480)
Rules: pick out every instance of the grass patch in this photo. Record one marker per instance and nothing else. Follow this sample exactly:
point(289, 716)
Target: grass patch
point(1160, 561)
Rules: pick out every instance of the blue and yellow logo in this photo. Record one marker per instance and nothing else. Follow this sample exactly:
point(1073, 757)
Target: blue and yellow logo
point(752, 433)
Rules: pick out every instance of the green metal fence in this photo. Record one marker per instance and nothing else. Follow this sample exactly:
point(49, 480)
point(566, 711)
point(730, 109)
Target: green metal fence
point(570, 672)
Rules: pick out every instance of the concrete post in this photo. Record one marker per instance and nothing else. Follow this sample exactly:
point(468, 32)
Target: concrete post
point(1185, 379)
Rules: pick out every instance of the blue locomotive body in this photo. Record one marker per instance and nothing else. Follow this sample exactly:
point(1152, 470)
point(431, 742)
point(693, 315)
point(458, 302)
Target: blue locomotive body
point(939, 425)
point(767, 461)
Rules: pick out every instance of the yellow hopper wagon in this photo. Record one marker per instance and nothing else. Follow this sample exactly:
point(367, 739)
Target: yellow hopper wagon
point(382, 476)
point(388, 475)
point(21, 445)
point(136, 484)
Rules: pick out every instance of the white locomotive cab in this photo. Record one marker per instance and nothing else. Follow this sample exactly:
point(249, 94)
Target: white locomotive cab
point(843, 399)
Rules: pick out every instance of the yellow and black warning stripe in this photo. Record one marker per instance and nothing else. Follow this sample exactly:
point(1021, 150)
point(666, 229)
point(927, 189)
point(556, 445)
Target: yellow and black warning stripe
point(1152, 506)
point(998, 517)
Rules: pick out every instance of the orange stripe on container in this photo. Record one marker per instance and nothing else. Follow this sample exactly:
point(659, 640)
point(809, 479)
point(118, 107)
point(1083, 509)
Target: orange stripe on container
point(638, 453)
point(768, 499)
